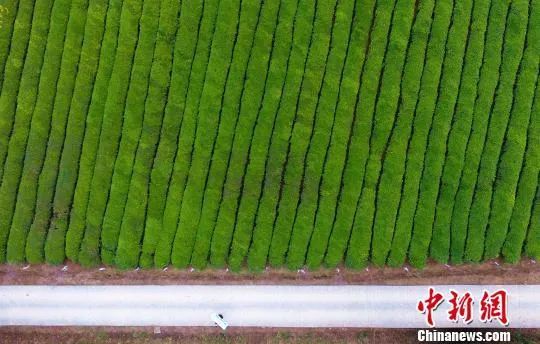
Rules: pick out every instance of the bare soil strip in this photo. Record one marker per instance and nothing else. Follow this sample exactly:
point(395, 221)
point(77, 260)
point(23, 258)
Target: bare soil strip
point(491, 272)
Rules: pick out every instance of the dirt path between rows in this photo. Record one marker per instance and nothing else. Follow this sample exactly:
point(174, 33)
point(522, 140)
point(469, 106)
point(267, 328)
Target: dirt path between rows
point(492, 272)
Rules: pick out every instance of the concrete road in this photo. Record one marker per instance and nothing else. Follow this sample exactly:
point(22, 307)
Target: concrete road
point(266, 306)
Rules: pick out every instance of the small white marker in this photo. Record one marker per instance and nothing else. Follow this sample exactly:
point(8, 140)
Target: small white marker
point(219, 320)
point(137, 269)
point(338, 270)
point(533, 261)
point(102, 269)
point(191, 269)
point(227, 270)
point(65, 268)
point(367, 269)
point(406, 269)
point(165, 268)
point(157, 330)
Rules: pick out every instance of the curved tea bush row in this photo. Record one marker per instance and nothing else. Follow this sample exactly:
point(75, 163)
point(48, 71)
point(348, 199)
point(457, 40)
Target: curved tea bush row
point(26, 101)
point(220, 34)
point(131, 127)
point(127, 254)
point(299, 134)
point(500, 113)
point(343, 119)
point(423, 116)
point(69, 161)
point(19, 248)
point(12, 75)
point(8, 13)
point(384, 115)
point(437, 141)
point(525, 198)
point(250, 107)
point(459, 135)
point(209, 116)
point(53, 250)
point(54, 245)
point(515, 139)
point(184, 50)
point(182, 159)
point(532, 247)
point(288, 56)
point(94, 119)
point(489, 76)
point(353, 172)
point(303, 125)
point(316, 154)
point(260, 141)
point(111, 128)
point(249, 21)
point(315, 151)
point(223, 234)
point(393, 165)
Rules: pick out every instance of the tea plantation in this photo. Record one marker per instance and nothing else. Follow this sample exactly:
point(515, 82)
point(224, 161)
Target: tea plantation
point(249, 133)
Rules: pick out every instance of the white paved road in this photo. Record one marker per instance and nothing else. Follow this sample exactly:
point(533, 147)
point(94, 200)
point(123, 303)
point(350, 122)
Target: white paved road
point(266, 306)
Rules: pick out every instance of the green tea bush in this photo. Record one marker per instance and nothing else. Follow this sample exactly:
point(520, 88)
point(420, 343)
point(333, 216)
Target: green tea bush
point(436, 148)
point(384, 115)
point(445, 242)
point(71, 153)
point(308, 182)
point(93, 126)
point(255, 169)
point(500, 114)
point(511, 160)
point(344, 114)
point(26, 102)
point(357, 151)
point(111, 129)
point(183, 156)
point(249, 20)
point(184, 51)
point(225, 225)
point(32, 249)
point(254, 88)
point(71, 56)
point(132, 125)
point(249, 111)
point(423, 116)
point(209, 116)
point(489, 75)
point(525, 197)
point(11, 76)
point(8, 13)
point(532, 245)
point(393, 165)
point(132, 227)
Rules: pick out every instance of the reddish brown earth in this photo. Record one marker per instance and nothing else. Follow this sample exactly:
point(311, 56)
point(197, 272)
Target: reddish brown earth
point(492, 272)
